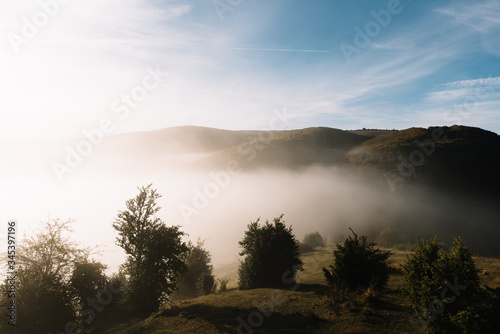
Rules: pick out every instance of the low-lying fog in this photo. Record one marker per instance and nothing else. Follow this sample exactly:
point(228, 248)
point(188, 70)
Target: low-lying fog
point(324, 199)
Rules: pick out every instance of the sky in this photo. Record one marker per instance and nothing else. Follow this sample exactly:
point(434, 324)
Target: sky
point(148, 64)
point(69, 68)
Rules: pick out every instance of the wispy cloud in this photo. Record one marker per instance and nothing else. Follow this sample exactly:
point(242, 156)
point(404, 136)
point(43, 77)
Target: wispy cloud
point(481, 16)
point(231, 74)
point(279, 50)
point(473, 83)
point(448, 95)
point(485, 88)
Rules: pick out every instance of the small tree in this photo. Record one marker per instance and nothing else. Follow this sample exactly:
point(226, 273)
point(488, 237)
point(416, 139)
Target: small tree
point(198, 263)
point(311, 241)
point(223, 284)
point(87, 279)
point(156, 253)
point(272, 255)
point(314, 240)
point(444, 291)
point(45, 261)
point(206, 284)
point(358, 264)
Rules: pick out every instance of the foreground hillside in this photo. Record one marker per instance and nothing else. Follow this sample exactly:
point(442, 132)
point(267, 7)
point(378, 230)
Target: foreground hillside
point(308, 309)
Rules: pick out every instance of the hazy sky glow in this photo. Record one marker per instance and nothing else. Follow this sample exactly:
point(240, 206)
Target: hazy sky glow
point(68, 67)
point(427, 64)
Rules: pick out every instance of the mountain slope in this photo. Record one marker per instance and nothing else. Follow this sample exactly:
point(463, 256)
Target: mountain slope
point(289, 149)
point(458, 157)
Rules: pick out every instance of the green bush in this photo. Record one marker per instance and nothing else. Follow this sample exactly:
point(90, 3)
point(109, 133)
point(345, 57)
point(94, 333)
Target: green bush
point(358, 265)
point(444, 291)
point(272, 256)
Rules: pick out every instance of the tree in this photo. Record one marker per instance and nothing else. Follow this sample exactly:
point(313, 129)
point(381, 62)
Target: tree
point(358, 264)
point(87, 279)
point(311, 241)
point(45, 262)
point(206, 284)
point(155, 252)
point(198, 263)
point(222, 284)
point(272, 256)
point(443, 288)
point(314, 240)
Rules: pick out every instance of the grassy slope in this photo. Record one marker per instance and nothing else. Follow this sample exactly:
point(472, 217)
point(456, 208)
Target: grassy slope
point(308, 309)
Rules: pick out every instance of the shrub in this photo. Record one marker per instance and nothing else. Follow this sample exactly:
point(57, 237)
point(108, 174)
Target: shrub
point(206, 284)
point(314, 240)
point(198, 263)
point(223, 284)
point(272, 256)
point(444, 291)
point(358, 264)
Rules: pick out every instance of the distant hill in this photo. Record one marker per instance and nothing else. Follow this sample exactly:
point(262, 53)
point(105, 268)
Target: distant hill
point(290, 149)
point(461, 159)
point(457, 157)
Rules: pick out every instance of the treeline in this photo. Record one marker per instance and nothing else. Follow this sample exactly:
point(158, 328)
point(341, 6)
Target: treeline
point(60, 288)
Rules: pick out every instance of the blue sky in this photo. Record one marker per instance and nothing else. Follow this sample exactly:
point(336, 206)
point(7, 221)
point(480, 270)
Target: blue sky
point(230, 64)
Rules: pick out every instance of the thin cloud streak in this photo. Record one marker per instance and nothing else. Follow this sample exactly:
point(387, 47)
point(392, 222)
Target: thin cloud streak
point(278, 50)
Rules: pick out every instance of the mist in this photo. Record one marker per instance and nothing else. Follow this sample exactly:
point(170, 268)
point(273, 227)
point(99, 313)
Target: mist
point(216, 203)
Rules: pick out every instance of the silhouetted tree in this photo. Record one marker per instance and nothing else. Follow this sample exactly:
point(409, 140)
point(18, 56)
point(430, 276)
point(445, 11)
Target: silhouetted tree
point(206, 284)
point(222, 284)
point(156, 253)
point(358, 264)
point(272, 255)
point(45, 262)
point(87, 280)
point(198, 262)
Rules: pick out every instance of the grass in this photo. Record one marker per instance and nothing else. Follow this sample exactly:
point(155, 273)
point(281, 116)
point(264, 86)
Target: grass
point(309, 308)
